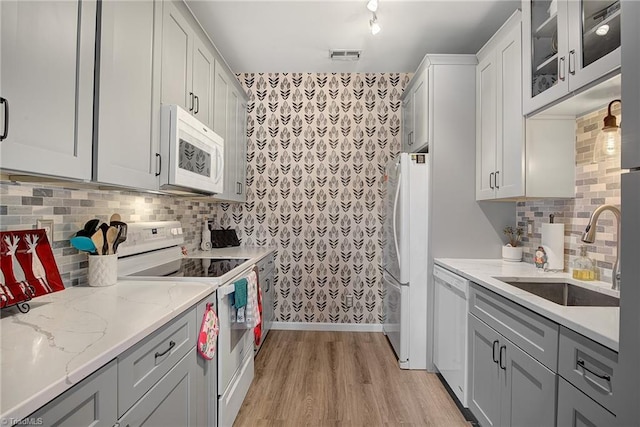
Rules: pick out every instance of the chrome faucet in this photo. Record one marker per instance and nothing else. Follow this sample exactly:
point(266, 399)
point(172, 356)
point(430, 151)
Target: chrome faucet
point(589, 236)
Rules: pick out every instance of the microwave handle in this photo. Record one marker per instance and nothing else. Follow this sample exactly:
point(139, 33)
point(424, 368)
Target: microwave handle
point(219, 165)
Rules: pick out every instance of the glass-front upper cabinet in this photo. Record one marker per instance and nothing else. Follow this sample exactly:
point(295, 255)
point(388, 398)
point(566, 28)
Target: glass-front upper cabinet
point(567, 44)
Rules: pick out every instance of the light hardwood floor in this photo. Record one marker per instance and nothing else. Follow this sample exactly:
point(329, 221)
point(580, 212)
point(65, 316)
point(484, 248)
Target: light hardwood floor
point(341, 378)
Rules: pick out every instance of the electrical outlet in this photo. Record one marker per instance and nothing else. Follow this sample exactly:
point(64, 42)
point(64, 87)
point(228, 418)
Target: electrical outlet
point(349, 300)
point(47, 225)
point(529, 228)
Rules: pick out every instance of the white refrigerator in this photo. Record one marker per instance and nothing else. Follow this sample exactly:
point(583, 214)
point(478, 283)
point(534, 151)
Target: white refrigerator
point(404, 258)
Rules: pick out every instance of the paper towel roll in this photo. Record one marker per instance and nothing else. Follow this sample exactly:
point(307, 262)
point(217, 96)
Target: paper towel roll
point(553, 244)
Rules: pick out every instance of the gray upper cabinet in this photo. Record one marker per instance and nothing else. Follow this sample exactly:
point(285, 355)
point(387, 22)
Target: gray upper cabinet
point(203, 77)
point(187, 65)
point(128, 95)
point(46, 78)
point(93, 402)
point(230, 122)
point(177, 45)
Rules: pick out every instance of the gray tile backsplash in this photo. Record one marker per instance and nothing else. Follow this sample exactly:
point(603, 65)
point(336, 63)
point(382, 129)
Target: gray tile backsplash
point(22, 204)
point(596, 184)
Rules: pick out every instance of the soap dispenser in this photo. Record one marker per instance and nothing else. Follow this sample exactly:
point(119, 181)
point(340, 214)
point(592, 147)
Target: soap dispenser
point(583, 268)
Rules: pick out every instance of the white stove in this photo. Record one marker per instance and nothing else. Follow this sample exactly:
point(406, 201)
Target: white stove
point(153, 251)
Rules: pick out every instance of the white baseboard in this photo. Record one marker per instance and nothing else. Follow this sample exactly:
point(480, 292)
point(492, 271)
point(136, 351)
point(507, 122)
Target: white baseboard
point(338, 327)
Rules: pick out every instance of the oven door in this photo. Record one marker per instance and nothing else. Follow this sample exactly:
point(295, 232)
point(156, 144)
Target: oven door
point(235, 342)
point(194, 153)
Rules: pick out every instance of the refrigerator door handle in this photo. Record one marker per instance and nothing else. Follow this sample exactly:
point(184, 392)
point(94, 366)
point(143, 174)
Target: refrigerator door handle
point(395, 216)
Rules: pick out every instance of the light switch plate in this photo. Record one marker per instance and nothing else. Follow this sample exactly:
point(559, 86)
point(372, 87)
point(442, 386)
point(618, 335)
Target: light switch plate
point(529, 228)
point(47, 225)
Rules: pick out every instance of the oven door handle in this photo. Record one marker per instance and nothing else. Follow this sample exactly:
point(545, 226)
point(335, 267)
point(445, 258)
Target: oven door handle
point(226, 290)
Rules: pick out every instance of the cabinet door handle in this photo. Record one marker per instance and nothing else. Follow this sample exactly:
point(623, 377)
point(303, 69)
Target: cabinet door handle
point(503, 367)
point(495, 359)
point(561, 74)
point(605, 377)
point(495, 180)
point(5, 131)
point(572, 64)
point(490, 179)
point(171, 345)
point(191, 99)
point(197, 104)
point(158, 164)
point(411, 138)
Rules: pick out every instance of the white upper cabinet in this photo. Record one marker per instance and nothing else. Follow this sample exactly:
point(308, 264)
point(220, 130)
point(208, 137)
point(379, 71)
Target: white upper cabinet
point(568, 44)
point(128, 94)
point(415, 114)
point(515, 158)
point(187, 65)
point(500, 140)
point(46, 85)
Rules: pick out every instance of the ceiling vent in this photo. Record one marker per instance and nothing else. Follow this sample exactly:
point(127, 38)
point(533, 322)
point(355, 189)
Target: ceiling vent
point(345, 54)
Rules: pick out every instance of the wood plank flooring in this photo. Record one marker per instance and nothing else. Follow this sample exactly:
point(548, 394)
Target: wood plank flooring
point(341, 378)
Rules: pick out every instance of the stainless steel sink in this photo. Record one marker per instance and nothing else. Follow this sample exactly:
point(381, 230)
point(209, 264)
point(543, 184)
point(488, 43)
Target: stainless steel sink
point(567, 294)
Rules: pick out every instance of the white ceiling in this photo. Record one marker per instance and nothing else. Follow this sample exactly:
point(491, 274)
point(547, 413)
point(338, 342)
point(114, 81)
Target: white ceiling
point(296, 35)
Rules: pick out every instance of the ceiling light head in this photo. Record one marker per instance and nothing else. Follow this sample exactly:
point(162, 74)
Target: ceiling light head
point(374, 26)
point(602, 30)
point(372, 5)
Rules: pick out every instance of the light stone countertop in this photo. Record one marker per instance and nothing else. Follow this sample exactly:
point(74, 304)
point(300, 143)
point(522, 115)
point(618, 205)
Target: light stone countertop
point(68, 335)
point(601, 324)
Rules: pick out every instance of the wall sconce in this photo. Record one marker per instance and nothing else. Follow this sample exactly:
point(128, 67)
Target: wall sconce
point(608, 140)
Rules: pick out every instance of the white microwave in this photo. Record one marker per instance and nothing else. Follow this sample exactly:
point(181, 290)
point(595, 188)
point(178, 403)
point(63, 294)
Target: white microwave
point(192, 155)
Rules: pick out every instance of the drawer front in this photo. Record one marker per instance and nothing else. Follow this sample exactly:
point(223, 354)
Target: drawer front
point(91, 402)
point(171, 401)
point(533, 333)
point(589, 366)
point(142, 366)
point(577, 409)
point(266, 264)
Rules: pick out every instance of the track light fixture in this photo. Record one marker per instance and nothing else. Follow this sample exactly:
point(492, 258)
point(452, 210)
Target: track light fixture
point(373, 24)
point(372, 5)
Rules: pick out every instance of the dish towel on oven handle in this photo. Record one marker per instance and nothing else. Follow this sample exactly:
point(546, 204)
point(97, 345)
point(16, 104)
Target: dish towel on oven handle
point(252, 313)
point(208, 333)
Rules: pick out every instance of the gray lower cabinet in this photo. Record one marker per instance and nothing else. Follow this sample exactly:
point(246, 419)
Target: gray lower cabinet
point(171, 401)
point(161, 381)
point(484, 372)
point(128, 94)
point(508, 387)
point(93, 402)
point(577, 409)
point(46, 85)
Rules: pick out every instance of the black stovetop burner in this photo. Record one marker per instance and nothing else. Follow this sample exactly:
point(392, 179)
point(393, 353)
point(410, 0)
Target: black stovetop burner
point(194, 267)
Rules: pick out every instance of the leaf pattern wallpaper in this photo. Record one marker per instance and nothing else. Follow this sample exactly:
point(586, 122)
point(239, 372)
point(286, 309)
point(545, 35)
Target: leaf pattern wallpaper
point(317, 149)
